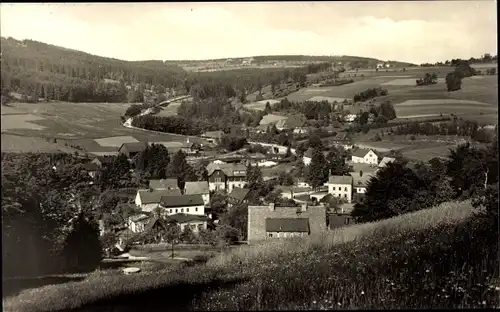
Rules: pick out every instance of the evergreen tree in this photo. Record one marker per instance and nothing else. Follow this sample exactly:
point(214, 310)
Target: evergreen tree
point(318, 169)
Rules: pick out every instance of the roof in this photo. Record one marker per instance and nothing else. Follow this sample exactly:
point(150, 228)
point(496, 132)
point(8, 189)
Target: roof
point(163, 184)
point(361, 152)
point(361, 180)
point(337, 220)
point(290, 122)
point(340, 136)
point(340, 179)
point(134, 147)
point(213, 134)
point(139, 217)
point(106, 159)
point(151, 197)
point(200, 187)
point(170, 201)
point(91, 166)
point(228, 169)
point(385, 161)
point(185, 218)
point(287, 225)
point(239, 193)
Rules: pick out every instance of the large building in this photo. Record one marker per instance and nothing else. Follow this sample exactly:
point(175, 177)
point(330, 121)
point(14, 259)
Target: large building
point(270, 222)
point(198, 188)
point(149, 199)
point(340, 187)
point(364, 156)
point(226, 176)
point(185, 204)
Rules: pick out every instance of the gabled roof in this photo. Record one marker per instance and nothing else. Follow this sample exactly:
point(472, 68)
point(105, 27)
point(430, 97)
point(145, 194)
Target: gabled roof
point(340, 180)
point(134, 147)
point(230, 170)
point(200, 187)
point(385, 161)
point(340, 136)
point(287, 225)
point(239, 193)
point(186, 218)
point(139, 217)
point(361, 181)
point(165, 184)
point(173, 201)
point(152, 197)
point(361, 152)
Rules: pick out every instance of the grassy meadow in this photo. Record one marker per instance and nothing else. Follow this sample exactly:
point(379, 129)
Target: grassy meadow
point(415, 260)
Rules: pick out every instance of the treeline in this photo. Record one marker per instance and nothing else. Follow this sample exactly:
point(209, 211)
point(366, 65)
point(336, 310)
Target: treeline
point(486, 58)
point(455, 127)
point(369, 94)
point(171, 124)
point(310, 109)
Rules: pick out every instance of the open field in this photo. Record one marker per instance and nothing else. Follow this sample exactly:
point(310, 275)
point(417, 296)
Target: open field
point(407, 82)
point(115, 141)
point(271, 118)
point(26, 144)
point(20, 121)
point(330, 271)
point(79, 124)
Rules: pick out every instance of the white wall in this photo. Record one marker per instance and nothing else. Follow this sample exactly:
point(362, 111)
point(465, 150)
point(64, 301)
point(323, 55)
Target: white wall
point(371, 158)
point(357, 160)
point(232, 184)
point(192, 210)
point(339, 191)
point(360, 190)
point(212, 186)
point(306, 160)
point(206, 198)
point(194, 225)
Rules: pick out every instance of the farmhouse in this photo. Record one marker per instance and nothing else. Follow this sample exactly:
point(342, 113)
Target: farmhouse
point(226, 176)
point(164, 184)
point(132, 149)
point(213, 136)
point(340, 138)
point(341, 187)
point(366, 156)
point(385, 161)
point(266, 222)
point(237, 196)
point(91, 168)
point(188, 204)
point(148, 200)
point(290, 123)
point(137, 223)
point(198, 188)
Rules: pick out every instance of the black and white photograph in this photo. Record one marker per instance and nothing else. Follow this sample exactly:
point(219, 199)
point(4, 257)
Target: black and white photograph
point(249, 156)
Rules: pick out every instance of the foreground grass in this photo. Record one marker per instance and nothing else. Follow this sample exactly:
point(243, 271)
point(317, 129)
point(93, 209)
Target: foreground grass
point(427, 259)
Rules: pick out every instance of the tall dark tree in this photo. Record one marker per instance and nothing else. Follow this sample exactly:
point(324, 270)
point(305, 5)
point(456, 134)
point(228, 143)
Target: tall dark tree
point(318, 169)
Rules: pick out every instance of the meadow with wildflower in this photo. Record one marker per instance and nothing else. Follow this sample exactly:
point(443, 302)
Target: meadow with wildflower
point(441, 257)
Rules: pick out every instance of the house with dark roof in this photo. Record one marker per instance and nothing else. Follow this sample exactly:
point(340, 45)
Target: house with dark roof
point(360, 181)
point(270, 222)
point(148, 199)
point(187, 204)
point(341, 187)
point(164, 184)
point(137, 223)
point(291, 123)
point(91, 168)
point(103, 161)
point(198, 188)
point(365, 156)
point(132, 149)
point(226, 176)
point(237, 196)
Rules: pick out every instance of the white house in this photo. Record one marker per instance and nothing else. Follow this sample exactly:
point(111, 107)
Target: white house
point(226, 176)
point(364, 156)
point(360, 181)
point(350, 118)
point(302, 183)
point(341, 187)
point(148, 199)
point(301, 130)
point(186, 204)
point(385, 161)
point(195, 222)
point(195, 188)
point(266, 163)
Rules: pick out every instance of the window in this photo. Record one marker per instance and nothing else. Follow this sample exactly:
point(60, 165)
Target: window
point(187, 209)
point(170, 211)
point(176, 210)
point(345, 195)
point(182, 209)
point(278, 234)
point(196, 209)
point(345, 189)
point(270, 234)
point(333, 188)
point(347, 221)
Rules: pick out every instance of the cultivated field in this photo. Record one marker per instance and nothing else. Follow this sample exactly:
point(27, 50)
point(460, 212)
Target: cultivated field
point(77, 124)
point(26, 144)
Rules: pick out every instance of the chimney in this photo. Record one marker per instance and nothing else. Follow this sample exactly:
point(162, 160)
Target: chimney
point(303, 207)
point(271, 207)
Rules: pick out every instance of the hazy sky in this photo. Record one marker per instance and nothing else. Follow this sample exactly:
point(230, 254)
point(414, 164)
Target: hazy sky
point(414, 31)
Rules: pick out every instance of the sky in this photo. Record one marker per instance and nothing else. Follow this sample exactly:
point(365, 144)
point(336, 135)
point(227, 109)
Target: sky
point(412, 31)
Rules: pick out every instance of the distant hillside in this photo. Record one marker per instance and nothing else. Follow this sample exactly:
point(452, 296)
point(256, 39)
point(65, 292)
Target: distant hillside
point(39, 69)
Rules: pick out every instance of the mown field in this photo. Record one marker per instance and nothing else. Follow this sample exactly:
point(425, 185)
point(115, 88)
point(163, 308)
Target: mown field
point(426, 259)
point(74, 124)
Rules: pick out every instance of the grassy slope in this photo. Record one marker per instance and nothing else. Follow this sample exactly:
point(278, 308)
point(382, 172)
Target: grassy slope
point(389, 264)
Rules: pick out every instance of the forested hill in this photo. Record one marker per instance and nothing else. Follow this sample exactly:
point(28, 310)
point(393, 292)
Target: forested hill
point(39, 69)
